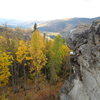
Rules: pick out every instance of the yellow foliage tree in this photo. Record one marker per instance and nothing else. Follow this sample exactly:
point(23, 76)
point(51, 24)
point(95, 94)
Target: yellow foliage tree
point(23, 51)
point(37, 51)
point(23, 55)
point(5, 62)
point(57, 54)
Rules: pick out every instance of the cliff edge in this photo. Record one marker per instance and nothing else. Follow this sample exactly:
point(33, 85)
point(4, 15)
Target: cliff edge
point(84, 83)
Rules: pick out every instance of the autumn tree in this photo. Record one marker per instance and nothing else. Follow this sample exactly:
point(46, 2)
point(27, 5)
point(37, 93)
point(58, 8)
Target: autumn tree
point(9, 45)
point(37, 53)
point(57, 53)
point(23, 51)
point(5, 62)
point(23, 56)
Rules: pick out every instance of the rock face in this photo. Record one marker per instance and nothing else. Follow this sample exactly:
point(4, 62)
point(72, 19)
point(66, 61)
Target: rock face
point(84, 83)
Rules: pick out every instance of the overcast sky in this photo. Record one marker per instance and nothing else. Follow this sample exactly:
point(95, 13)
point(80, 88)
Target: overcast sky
point(48, 9)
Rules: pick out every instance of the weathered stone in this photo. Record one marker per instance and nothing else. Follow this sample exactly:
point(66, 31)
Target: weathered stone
point(85, 85)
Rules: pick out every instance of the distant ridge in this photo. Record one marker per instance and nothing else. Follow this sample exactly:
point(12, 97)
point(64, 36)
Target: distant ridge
point(13, 23)
point(63, 26)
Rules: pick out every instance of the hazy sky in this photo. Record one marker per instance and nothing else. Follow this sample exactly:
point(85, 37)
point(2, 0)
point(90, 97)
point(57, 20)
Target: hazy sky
point(48, 9)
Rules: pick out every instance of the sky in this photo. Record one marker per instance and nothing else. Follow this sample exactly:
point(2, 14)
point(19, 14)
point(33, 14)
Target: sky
point(48, 9)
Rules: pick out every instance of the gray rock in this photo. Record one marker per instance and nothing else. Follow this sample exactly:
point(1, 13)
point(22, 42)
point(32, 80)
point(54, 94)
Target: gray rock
point(85, 84)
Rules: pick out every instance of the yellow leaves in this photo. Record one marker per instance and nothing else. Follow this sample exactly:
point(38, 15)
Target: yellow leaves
point(37, 41)
point(37, 51)
point(23, 51)
point(4, 59)
point(28, 58)
point(66, 50)
point(38, 61)
point(34, 52)
point(5, 62)
point(1, 37)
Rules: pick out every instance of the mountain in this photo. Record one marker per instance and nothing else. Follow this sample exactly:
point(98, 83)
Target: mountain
point(10, 22)
point(13, 23)
point(62, 26)
point(65, 25)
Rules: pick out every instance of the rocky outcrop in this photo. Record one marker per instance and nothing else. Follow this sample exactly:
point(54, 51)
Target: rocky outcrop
point(84, 83)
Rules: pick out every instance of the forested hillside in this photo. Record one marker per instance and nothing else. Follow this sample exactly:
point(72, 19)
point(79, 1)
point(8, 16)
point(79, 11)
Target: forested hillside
point(62, 26)
point(31, 66)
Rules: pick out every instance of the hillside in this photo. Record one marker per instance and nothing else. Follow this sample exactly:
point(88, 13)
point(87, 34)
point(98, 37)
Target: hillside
point(34, 64)
point(13, 23)
point(64, 25)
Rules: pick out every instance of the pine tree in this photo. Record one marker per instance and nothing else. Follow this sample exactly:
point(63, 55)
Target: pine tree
point(35, 26)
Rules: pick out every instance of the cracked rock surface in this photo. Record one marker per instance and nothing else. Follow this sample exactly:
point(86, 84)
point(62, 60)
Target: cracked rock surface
point(84, 84)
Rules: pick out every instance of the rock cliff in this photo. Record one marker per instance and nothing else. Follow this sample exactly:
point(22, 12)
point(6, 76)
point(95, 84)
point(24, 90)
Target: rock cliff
point(84, 83)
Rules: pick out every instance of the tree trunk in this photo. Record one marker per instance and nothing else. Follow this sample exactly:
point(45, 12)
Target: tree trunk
point(24, 77)
point(13, 79)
